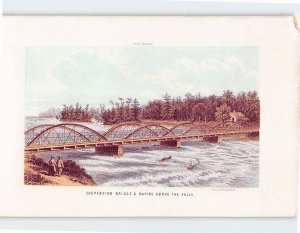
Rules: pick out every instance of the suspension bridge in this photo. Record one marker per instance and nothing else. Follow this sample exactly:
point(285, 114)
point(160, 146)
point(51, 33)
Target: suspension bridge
point(70, 136)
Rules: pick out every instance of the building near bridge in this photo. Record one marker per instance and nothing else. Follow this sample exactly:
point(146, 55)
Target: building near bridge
point(237, 117)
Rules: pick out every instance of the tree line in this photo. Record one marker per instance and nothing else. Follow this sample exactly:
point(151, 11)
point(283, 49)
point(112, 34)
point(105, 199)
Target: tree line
point(189, 108)
point(76, 113)
point(203, 108)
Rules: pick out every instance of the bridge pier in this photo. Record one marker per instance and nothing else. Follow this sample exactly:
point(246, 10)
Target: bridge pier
point(213, 139)
point(171, 143)
point(110, 150)
point(253, 134)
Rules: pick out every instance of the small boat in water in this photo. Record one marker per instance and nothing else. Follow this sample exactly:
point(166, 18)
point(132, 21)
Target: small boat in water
point(192, 165)
point(166, 158)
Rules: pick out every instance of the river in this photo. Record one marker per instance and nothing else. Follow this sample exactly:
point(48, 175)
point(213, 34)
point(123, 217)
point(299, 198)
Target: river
point(228, 164)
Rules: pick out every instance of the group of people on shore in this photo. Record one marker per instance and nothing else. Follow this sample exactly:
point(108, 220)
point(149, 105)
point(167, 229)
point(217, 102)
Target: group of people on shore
point(56, 166)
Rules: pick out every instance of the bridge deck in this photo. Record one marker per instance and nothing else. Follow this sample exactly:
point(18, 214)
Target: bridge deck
point(58, 147)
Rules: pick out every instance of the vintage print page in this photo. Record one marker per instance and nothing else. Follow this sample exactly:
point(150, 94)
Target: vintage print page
point(150, 116)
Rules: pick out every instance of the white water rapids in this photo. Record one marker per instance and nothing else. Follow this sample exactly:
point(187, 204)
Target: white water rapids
point(229, 164)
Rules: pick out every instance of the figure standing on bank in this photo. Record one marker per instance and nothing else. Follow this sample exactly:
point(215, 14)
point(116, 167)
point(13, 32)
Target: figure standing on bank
point(60, 165)
point(52, 166)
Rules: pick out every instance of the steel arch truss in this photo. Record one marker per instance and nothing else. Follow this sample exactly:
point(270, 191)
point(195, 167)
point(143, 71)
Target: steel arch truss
point(68, 133)
point(121, 131)
point(190, 128)
point(225, 127)
point(33, 132)
point(137, 130)
point(65, 134)
point(150, 131)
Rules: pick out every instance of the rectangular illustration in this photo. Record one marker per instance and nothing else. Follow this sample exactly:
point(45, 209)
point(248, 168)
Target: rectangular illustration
point(150, 116)
point(142, 115)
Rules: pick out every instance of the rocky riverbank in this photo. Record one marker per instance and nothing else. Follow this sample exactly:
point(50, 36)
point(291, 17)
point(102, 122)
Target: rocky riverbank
point(36, 173)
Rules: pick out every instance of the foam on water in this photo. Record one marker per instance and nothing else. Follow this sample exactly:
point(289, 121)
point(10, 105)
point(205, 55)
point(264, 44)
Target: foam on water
point(229, 164)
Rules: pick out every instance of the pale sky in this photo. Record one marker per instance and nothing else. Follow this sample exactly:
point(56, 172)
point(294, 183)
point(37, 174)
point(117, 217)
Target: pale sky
point(94, 75)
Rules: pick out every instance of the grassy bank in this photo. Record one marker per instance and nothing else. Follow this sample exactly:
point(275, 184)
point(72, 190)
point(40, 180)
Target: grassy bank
point(36, 173)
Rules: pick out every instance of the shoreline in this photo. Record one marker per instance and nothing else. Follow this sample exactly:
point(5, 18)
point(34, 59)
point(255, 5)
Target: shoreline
point(36, 172)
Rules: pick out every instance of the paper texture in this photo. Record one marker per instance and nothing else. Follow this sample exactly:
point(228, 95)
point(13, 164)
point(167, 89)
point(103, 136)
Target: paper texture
point(222, 142)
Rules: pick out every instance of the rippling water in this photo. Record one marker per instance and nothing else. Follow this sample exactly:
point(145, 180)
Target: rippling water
point(229, 164)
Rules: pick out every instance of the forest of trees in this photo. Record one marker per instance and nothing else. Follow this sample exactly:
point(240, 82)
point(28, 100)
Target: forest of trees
point(77, 113)
point(190, 108)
